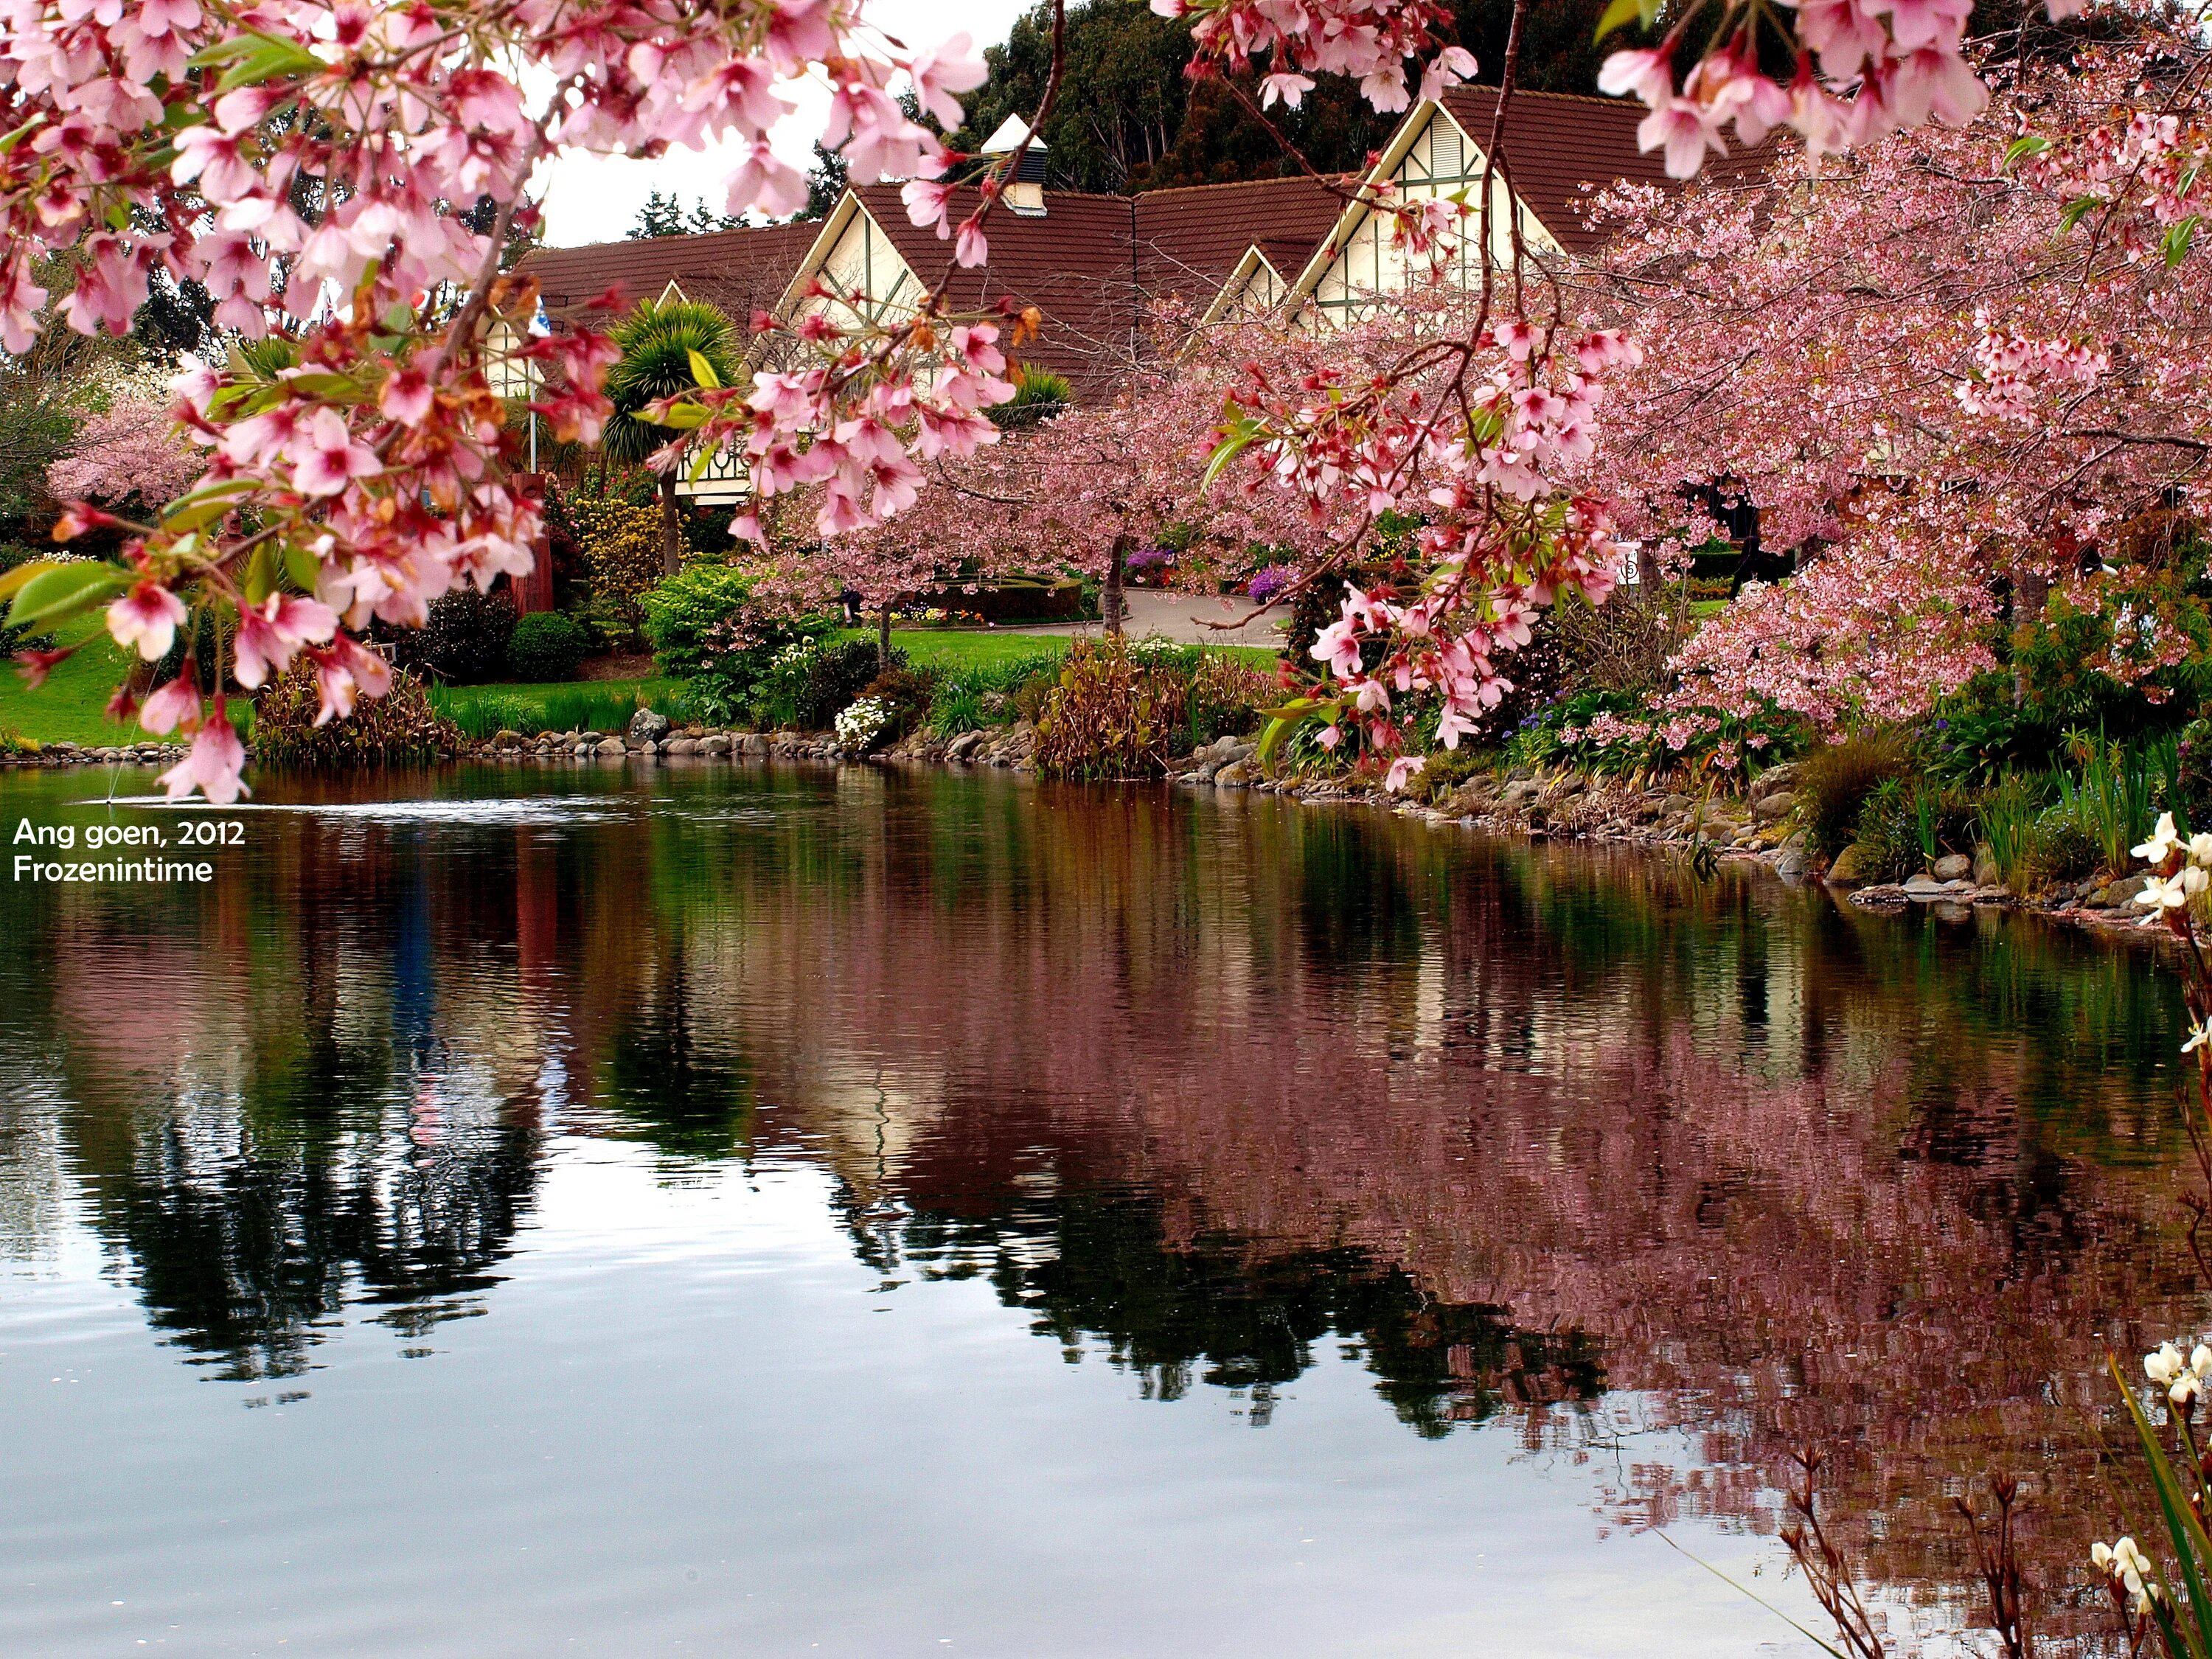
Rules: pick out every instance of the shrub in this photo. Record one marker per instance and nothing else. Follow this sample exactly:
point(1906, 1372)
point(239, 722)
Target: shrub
point(621, 545)
point(955, 708)
point(545, 645)
point(708, 629)
point(1833, 783)
point(809, 681)
point(1615, 733)
point(1110, 717)
point(482, 712)
point(1622, 645)
point(2113, 794)
point(2009, 815)
point(1226, 698)
point(864, 723)
point(2059, 848)
point(1445, 769)
point(1905, 824)
point(400, 728)
point(463, 640)
point(906, 692)
point(1034, 694)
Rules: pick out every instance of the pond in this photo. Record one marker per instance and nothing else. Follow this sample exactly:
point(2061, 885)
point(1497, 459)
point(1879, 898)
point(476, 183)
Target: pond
point(763, 1211)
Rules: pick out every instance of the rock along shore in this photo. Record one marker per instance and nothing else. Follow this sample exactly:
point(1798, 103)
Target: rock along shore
point(1531, 803)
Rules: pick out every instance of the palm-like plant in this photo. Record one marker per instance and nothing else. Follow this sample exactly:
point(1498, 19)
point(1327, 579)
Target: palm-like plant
point(659, 343)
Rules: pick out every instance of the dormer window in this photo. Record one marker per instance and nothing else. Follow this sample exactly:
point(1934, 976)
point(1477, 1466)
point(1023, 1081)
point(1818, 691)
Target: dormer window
point(1024, 190)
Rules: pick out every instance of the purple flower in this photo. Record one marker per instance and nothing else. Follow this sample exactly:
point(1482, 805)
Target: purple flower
point(1270, 580)
point(1145, 557)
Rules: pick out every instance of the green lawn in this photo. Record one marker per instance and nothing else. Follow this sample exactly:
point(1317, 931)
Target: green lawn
point(67, 708)
point(956, 648)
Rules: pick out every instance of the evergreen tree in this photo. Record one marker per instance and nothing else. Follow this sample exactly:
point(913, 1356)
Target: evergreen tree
point(1127, 119)
point(661, 215)
point(825, 183)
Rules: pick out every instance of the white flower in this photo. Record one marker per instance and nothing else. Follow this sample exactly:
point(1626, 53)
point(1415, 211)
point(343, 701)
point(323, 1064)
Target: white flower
point(861, 724)
point(2200, 1360)
point(2186, 1388)
point(2163, 1365)
point(2164, 892)
point(2200, 848)
point(2125, 1562)
point(2163, 841)
point(2199, 1035)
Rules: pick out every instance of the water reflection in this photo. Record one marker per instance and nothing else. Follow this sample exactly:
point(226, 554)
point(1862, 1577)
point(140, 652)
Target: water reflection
point(1202, 1089)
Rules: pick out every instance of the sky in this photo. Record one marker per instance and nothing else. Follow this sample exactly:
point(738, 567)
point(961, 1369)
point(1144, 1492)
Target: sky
point(592, 198)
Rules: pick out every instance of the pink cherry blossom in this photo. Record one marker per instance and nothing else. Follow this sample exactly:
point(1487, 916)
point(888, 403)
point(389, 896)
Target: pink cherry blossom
point(272, 632)
point(214, 763)
point(147, 618)
point(175, 706)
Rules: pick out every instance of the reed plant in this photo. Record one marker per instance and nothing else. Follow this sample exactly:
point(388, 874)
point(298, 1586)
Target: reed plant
point(2113, 788)
point(2008, 817)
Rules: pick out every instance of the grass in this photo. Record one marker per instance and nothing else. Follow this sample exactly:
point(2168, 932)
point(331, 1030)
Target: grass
point(67, 708)
point(948, 648)
point(483, 711)
point(72, 706)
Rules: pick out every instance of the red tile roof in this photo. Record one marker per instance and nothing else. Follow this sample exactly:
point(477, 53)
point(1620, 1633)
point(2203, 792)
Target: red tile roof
point(1556, 142)
point(1093, 264)
point(740, 271)
point(1195, 237)
point(1074, 264)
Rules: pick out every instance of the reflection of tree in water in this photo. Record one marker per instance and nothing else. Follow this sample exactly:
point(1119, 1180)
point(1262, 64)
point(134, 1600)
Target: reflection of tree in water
point(1217, 1310)
point(247, 1244)
point(689, 1094)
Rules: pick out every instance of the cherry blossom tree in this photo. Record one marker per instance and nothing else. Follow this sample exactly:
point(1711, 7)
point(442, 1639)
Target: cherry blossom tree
point(130, 450)
point(348, 175)
point(1946, 369)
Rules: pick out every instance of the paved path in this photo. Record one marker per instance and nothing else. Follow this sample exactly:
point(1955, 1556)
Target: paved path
point(1182, 617)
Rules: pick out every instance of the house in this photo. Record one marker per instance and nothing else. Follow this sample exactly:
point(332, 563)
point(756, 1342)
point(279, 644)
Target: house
point(1096, 266)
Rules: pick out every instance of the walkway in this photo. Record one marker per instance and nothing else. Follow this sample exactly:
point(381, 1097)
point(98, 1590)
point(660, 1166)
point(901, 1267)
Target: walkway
point(1182, 617)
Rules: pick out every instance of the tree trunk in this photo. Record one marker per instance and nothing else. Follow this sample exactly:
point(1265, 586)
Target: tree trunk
point(1110, 602)
point(883, 639)
point(672, 530)
point(2030, 591)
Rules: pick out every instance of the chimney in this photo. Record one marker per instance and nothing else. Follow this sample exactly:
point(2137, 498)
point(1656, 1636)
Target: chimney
point(1024, 190)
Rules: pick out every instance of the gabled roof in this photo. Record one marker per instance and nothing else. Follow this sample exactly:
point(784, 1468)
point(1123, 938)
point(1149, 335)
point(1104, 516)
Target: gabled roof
point(1193, 239)
point(1559, 150)
point(1073, 263)
point(1554, 144)
point(740, 271)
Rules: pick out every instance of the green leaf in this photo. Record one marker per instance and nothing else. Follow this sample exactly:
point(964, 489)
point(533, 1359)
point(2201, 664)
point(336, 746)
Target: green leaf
point(683, 417)
point(700, 463)
point(12, 583)
point(1243, 429)
point(1618, 15)
point(62, 590)
point(1271, 739)
point(702, 370)
point(302, 567)
point(2075, 209)
point(260, 573)
point(205, 505)
point(266, 58)
point(325, 383)
point(2175, 243)
point(2031, 145)
point(20, 133)
point(222, 51)
point(2192, 1547)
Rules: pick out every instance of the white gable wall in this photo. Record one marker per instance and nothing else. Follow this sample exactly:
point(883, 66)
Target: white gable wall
point(1432, 157)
